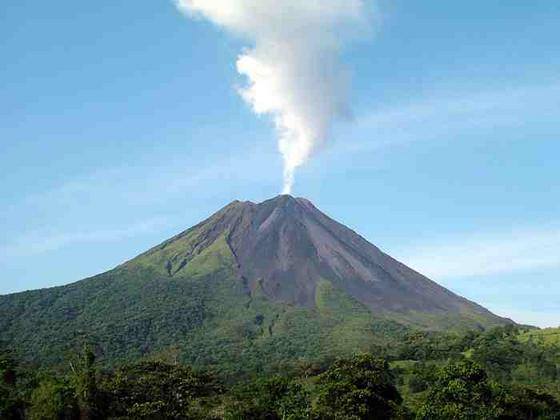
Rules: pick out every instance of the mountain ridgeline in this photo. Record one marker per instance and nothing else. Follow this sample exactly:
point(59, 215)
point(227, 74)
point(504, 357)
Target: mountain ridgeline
point(253, 287)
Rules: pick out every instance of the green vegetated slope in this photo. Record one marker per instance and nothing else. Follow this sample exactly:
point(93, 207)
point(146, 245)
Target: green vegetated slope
point(254, 288)
point(205, 314)
point(463, 321)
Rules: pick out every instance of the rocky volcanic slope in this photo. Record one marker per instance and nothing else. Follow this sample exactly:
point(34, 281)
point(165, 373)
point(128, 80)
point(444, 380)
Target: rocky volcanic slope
point(255, 286)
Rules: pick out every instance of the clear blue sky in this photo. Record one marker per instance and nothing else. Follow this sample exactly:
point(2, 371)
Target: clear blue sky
point(120, 126)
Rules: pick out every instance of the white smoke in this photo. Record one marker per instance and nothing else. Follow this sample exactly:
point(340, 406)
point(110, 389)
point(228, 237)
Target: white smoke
point(293, 70)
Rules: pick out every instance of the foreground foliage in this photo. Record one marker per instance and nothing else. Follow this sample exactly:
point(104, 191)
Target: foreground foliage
point(505, 373)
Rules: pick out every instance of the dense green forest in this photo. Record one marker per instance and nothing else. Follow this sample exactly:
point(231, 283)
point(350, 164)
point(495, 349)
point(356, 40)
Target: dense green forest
point(503, 373)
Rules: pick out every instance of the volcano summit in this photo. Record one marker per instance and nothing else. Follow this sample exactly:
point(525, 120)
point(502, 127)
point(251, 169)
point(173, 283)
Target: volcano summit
point(253, 284)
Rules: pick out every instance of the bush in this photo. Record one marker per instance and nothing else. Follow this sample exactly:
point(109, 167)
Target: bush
point(358, 388)
point(461, 391)
point(53, 399)
point(271, 399)
point(156, 390)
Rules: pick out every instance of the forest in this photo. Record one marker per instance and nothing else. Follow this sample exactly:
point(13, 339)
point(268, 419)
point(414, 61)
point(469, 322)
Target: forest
point(506, 372)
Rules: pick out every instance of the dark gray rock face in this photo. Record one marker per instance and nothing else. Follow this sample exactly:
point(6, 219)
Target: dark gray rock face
point(285, 246)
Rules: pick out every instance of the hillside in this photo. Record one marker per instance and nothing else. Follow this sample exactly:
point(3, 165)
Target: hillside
point(546, 337)
point(254, 287)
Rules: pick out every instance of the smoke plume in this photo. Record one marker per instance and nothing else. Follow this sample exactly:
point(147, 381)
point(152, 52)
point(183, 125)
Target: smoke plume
point(293, 69)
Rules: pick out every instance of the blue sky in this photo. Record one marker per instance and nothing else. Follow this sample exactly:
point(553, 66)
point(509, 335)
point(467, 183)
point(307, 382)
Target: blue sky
point(121, 126)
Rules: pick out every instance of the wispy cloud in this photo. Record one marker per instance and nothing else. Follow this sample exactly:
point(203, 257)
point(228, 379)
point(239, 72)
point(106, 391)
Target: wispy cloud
point(450, 114)
point(513, 251)
point(35, 243)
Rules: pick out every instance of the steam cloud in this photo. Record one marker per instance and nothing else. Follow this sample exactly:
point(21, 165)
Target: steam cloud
point(293, 70)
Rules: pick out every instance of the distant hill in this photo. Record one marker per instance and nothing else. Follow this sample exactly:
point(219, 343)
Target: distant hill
point(546, 336)
point(255, 286)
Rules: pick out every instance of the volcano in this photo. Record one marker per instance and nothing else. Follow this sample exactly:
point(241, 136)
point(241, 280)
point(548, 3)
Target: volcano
point(286, 247)
point(254, 283)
